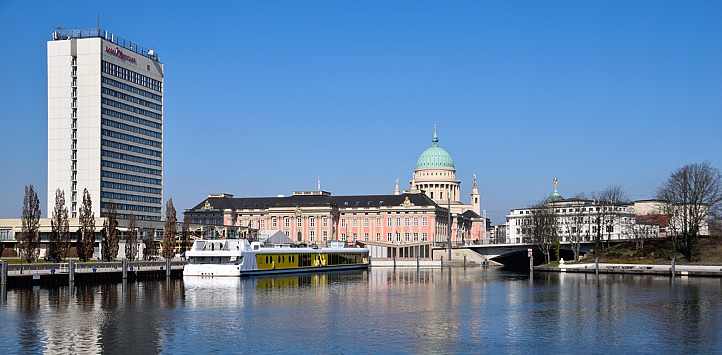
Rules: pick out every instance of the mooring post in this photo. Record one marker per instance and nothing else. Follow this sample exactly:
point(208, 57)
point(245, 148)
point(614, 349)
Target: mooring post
point(673, 265)
point(442, 260)
point(125, 269)
point(464, 261)
point(167, 268)
point(71, 271)
point(531, 263)
point(3, 273)
point(417, 258)
point(596, 266)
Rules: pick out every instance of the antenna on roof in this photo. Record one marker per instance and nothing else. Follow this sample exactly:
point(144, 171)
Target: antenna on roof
point(97, 22)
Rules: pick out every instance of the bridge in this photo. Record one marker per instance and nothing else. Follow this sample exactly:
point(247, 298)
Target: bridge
point(512, 254)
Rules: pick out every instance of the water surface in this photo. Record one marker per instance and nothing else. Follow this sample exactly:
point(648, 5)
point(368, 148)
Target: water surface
point(375, 311)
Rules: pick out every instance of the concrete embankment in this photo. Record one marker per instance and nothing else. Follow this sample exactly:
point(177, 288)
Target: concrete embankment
point(639, 269)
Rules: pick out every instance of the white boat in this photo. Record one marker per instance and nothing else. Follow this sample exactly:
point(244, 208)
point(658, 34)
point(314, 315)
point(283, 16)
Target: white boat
point(238, 257)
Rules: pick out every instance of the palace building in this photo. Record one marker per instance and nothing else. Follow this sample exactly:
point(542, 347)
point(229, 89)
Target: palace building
point(419, 216)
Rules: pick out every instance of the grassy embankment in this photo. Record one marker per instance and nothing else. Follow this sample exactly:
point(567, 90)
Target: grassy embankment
point(709, 252)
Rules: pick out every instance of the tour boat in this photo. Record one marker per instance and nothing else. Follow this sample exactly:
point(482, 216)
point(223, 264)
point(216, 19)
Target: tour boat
point(238, 257)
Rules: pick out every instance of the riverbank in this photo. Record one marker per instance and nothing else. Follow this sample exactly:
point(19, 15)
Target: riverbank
point(659, 252)
point(655, 258)
point(639, 269)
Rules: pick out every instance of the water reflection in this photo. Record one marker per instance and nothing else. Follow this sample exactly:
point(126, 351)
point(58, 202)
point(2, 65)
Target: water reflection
point(381, 310)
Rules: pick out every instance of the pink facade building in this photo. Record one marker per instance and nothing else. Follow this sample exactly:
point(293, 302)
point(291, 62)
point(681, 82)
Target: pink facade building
point(418, 216)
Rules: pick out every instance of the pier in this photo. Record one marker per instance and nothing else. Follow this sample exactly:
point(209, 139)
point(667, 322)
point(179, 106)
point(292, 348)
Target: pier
point(74, 271)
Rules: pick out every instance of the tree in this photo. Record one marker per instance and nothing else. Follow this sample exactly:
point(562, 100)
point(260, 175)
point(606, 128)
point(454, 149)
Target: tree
point(149, 249)
point(86, 239)
point(544, 228)
point(689, 195)
point(110, 234)
point(29, 248)
point(60, 230)
point(185, 233)
point(169, 234)
point(609, 199)
point(577, 223)
point(131, 239)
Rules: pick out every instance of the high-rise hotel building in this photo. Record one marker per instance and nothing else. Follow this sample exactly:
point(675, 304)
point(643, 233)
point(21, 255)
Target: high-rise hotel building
point(105, 123)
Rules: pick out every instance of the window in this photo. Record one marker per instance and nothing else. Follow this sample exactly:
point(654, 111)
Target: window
point(398, 236)
point(366, 237)
point(407, 221)
point(424, 221)
point(416, 221)
point(312, 222)
point(398, 221)
point(407, 236)
point(343, 222)
point(378, 237)
point(388, 237)
point(378, 221)
point(286, 222)
point(299, 222)
point(325, 221)
point(353, 222)
point(273, 222)
point(312, 235)
point(416, 237)
point(389, 222)
point(423, 236)
point(325, 236)
point(343, 237)
point(366, 222)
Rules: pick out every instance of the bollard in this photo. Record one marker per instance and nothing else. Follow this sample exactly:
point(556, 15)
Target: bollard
point(167, 268)
point(71, 271)
point(531, 263)
point(125, 269)
point(3, 273)
point(464, 261)
point(442, 260)
point(417, 260)
point(596, 266)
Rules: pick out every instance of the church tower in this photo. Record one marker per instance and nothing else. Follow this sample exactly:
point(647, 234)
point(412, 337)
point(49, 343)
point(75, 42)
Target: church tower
point(475, 197)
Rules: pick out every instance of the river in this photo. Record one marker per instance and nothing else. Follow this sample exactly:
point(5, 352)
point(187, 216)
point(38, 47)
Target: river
point(371, 312)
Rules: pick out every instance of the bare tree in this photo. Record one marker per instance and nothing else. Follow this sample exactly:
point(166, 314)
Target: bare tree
point(577, 223)
point(690, 194)
point(610, 199)
point(59, 234)
point(29, 245)
point(110, 234)
point(131, 239)
point(544, 228)
point(185, 234)
point(86, 239)
point(170, 231)
point(642, 230)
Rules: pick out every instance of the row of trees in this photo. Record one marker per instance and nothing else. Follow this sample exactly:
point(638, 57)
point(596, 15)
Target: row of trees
point(60, 241)
point(544, 222)
point(691, 199)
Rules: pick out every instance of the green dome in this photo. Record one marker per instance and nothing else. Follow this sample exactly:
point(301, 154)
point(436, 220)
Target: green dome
point(435, 157)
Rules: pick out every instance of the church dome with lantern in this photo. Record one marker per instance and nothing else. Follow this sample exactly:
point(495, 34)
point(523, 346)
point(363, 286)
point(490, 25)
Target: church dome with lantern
point(435, 157)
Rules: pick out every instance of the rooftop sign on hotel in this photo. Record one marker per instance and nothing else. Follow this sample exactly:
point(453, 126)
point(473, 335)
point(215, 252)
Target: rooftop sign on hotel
point(117, 52)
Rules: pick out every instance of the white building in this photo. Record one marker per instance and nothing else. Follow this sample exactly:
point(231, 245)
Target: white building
point(105, 123)
point(575, 217)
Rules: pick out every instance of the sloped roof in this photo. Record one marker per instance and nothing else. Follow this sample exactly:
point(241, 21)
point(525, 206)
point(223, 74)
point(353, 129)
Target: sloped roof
point(360, 201)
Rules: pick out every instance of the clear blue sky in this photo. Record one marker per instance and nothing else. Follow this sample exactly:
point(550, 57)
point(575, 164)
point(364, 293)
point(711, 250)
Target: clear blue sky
point(262, 97)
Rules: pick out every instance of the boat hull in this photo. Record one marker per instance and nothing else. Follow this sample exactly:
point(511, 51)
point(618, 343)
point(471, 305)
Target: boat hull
point(211, 270)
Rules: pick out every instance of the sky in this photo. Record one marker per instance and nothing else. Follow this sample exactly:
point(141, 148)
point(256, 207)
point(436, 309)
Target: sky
point(262, 97)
